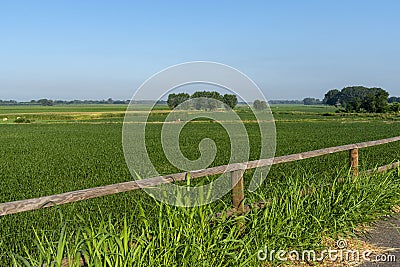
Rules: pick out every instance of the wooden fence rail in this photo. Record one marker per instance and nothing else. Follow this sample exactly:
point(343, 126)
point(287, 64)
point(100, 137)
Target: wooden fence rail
point(236, 170)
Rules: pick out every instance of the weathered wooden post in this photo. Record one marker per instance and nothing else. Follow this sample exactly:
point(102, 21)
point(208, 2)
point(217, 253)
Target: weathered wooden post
point(354, 161)
point(238, 190)
point(238, 195)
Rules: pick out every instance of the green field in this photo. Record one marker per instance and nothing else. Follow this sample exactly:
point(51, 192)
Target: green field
point(66, 148)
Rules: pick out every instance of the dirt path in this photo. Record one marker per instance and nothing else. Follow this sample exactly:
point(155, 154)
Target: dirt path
point(386, 235)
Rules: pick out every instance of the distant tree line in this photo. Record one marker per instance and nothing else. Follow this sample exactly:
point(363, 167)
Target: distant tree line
point(394, 99)
point(289, 102)
point(50, 102)
point(359, 99)
point(201, 100)
point(312, 101)
point(8, 102)
point(305, 101)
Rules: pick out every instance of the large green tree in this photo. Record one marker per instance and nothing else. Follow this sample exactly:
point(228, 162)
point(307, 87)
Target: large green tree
point(394, 107)
point(332, 97)
point(230, 100)
point(359, 98)
point(175, 100)
point(207, 100)
point(202, 100)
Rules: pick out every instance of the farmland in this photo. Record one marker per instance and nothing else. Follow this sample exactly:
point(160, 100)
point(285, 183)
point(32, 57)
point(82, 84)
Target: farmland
point(68, 148)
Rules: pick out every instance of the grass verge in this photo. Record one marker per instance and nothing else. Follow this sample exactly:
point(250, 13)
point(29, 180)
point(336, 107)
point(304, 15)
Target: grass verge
point(177, 236)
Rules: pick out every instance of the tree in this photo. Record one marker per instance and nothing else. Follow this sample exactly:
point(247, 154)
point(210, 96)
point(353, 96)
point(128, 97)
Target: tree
point(201, 100)
point(264, 105)
point(351, 98)
point(395, 107)
point(207, 100)
point(257, 104)
point(260, 105)
point(381, 99)
point(360, 98)
point(332, 97)
point(175, 100)
point(230, 100)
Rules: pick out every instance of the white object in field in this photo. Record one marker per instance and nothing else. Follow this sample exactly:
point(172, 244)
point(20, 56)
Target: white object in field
point(5, 119)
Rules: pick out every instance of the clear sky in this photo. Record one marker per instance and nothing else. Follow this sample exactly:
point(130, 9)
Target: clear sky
point(101, 49)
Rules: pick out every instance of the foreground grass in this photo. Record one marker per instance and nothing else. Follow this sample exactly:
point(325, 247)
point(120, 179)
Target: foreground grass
point(155, 234)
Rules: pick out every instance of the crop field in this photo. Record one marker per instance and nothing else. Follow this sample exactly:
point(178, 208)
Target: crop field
point(66, 148)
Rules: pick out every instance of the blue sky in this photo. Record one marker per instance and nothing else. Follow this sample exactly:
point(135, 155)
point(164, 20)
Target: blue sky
point(291, 49)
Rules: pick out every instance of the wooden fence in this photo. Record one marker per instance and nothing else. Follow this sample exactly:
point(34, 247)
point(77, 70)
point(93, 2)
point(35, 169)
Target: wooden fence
point(236, 170)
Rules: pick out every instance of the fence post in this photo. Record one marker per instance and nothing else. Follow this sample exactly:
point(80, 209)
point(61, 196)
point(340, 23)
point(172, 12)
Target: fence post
point(238, 190)
point(354, 161)
point(238, 195)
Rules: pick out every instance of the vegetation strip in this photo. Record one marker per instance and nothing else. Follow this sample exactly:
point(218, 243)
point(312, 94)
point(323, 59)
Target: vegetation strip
point(247, 208)
point(261, 204)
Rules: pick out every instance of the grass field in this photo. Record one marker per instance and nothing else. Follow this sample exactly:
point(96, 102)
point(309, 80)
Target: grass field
point(67, 148)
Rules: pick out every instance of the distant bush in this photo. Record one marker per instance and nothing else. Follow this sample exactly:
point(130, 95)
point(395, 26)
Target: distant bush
point(22, 120)
point(260, 105)
point(394, 107)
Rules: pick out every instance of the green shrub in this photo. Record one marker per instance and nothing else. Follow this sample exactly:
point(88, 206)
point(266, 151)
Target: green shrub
point(22, 120)
point(394, 107)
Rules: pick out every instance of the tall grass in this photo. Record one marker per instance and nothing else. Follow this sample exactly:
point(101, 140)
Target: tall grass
point(176, 236)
